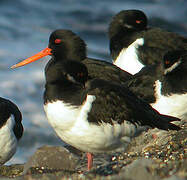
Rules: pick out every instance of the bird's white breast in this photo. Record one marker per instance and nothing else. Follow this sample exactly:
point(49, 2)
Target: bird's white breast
point(60, 115)
point(72, 126)
point(8, 141)
point(128, 58)
point(174, 105)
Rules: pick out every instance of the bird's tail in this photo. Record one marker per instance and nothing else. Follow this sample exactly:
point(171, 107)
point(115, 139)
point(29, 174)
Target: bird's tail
point(165, 123)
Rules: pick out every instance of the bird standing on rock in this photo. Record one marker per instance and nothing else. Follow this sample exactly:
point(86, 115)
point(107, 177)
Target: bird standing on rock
point(92, 114)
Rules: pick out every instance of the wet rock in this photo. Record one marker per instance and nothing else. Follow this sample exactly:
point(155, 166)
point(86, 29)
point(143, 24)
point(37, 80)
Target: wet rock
point(11, 171)
point(55, 158)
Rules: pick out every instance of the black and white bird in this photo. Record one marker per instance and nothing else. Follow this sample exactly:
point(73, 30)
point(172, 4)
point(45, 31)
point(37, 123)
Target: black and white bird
point(92, 114)
point(171, 88)
point(134, 45)
point(164, 85)
point(11, 129)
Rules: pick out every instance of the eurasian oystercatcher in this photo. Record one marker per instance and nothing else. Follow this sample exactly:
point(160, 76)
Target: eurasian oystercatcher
point(11, 129)
point(164, 84)
point(134, 45)
point(171, 88)
point(92, 114)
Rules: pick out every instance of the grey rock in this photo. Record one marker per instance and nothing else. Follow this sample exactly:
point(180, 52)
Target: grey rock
point(53, 157)
point(174, 178)
point(138, 170)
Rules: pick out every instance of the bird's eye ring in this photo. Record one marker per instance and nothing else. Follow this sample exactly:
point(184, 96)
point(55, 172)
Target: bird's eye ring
point(58, 41)
point(167, 62)
point(138, 21)
point(80, 74)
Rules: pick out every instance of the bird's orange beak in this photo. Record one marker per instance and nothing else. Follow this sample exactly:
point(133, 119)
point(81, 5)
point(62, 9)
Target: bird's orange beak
point(41, 54)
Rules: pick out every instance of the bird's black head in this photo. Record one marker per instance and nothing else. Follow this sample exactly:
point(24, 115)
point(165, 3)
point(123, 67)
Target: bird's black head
point(68, 72)
point(173, 60)
point(67, 45)
point(128, 20)
point(63, 45)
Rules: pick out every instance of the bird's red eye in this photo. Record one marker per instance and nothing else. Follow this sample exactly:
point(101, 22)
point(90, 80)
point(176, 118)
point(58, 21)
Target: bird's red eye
point(167, 62)
point(80, 74)
point(138, 21)
point(57, 41)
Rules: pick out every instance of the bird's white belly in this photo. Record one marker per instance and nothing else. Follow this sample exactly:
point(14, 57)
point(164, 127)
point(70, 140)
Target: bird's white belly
point(75, 130)
point(174, 105)
point(128, 58)
point(8, 141)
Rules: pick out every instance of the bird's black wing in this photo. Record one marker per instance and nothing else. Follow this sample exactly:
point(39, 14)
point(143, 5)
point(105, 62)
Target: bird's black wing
point(157, 42)
point(8, 108)
point(143, 83)
point(115, 103)
point(105, 70)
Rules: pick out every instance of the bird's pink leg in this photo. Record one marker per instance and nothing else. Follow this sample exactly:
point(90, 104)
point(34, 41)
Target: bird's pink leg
point(90, 160)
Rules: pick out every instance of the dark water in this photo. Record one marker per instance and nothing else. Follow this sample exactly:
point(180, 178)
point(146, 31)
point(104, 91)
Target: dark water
point(25, 26)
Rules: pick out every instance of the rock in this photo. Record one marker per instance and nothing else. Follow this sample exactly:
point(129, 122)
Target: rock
point(56, 158)
point(174, 178)
point(139, 169)
point(11, 171)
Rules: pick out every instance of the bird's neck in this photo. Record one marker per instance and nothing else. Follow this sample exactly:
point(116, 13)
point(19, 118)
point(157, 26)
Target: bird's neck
point(175, 82)
point(68, 92)
point(119, 40)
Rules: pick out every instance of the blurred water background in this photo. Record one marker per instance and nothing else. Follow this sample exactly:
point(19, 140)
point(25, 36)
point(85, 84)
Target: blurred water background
point(25, 26)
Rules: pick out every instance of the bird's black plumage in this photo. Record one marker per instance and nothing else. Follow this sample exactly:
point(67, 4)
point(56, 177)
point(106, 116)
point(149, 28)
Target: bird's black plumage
point(72, 47)
point(157, 42)
point(129, 25)
point(8, 108)
point(114, 103)
point(143, 82)
point(174, 80)
point(124, 106)
point(60, 84)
